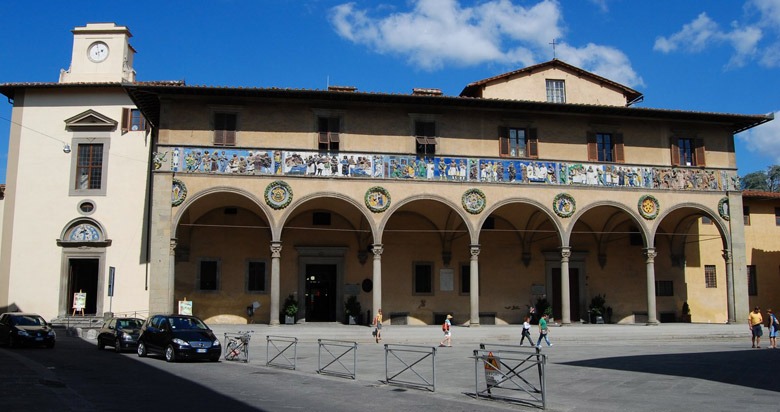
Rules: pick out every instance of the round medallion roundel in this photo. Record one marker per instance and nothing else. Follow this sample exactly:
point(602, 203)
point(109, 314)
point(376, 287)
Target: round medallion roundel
point(564, 205)
point(648, 207)
point(278, 194)
point(178, 192)
point(377, 199)
point(473, 201)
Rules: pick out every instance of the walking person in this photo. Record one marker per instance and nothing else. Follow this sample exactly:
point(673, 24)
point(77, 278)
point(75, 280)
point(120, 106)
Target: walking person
point(378, 325)
point(774, 328)
point(447, 334)
point(527, 331)
point(754, 321)
point(543, 331)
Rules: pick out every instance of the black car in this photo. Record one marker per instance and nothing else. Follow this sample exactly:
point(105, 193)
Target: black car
point(20, 329)
point(121, 333)
point(178, 337)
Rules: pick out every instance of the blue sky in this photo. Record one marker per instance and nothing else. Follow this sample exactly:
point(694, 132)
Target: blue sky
point(716, 56)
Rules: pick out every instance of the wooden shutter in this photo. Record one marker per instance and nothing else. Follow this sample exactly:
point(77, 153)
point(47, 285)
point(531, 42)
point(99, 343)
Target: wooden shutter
point(593, 152)
point(126, 120)
point(230, 137)
point(675, 152)
point(532, 141)
point(618, 141)
point(503, 141)
point(700, 161)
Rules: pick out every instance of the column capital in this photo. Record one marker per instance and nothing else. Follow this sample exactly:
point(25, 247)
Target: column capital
point(475, 249)
point(276, 249)
point(565, 253)
point(377, 249)
point(174, 242)
point(650, 254)
point(727, 255)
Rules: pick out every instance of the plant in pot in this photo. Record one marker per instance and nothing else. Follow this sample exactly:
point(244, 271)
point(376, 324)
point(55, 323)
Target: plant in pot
point(686, 312)
point(596, 309)
point(290, 309)
point(352, 310)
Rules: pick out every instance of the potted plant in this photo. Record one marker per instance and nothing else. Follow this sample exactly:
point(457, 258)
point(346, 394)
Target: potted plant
point(596, 310)
point(686, 312)
point(352, 310)
point(290, 309)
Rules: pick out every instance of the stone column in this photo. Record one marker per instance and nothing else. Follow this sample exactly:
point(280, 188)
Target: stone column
point(565, 292)
point(652, 317)
point(474, 286)
point(376, 297)
point(276, 254)
point(730, 285)
point(161, 247)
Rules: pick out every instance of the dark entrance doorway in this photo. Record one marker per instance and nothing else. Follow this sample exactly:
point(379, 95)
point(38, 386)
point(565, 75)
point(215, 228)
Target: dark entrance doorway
point(321, 293)
point(83, 277)
point(574, 293)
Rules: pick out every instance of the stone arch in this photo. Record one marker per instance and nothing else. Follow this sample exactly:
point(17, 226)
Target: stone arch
point(296, 204)
point(447, 202)
point(193, 199)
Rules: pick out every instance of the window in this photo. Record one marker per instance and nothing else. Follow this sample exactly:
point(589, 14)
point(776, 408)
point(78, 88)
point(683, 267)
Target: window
point(328, 132)
point(746, 215)
point(664, 288)
point(208, 278)
point(225, 126)
point(687, 152)
point(423, 279)
point(752, 281)
point(89, 169)
point(515, 142)
point(465, 279)
point(705, 220)
point(132, 120)
point(605, 147)
point(320, 218)
point(710, 278)
point(777, 216)
point(425, 135)
point(255, 276)
point(556, 91)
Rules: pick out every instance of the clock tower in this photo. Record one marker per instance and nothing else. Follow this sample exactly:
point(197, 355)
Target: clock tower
point(101, 53)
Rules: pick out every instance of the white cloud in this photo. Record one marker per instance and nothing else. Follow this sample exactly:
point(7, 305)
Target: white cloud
point(756, 38)
point(439, 32)
point(763, 140)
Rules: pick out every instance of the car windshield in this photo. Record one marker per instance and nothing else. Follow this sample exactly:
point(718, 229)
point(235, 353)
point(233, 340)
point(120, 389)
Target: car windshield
point(130, 323)
point(28, 320)
point(186, 323)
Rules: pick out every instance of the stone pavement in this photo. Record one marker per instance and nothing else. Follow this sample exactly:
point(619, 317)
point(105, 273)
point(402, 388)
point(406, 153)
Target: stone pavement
point(669, 367)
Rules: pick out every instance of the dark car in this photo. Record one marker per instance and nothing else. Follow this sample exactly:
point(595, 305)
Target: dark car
point(121, 333)
point(178, 337)
point(26, 329)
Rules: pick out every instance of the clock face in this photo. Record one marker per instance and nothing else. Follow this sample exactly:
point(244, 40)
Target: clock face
point(85, 233)
point(98, 51)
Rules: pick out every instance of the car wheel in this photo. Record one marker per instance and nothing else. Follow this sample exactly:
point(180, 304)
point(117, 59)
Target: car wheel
point(141, 349)
point(117, 346)
point(100, 344)
point(214, 358)
point(170, 354)
point(50, 345)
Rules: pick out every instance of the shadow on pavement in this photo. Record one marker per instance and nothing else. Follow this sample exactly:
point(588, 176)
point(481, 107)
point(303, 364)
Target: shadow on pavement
point(731, 367)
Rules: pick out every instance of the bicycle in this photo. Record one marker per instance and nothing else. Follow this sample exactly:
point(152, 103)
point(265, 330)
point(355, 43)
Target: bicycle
point(237, 345)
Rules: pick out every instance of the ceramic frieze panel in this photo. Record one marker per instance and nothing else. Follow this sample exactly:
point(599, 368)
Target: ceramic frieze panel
point(223, 160)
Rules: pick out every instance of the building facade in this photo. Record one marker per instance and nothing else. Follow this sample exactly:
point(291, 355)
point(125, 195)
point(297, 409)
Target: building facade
point(544, 183)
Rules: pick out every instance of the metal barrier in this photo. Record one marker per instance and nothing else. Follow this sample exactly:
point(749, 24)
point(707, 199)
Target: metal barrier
point(287, 342)
point(237, 345)
point(344, 348)
point(418, 354)
point(504, 366)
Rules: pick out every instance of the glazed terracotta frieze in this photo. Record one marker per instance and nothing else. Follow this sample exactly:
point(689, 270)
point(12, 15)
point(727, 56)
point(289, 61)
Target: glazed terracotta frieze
point(236, 161)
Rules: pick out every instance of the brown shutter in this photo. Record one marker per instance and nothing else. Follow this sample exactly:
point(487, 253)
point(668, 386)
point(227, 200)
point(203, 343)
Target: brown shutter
point(533, 143)
point(593, 153)
point(323, 138)
point(219, 137)
point(126, 119)
point(619, 156)
point(700, 161)
point(675, 152)
point(503, 141)
point(334, 137)
point(230, 137)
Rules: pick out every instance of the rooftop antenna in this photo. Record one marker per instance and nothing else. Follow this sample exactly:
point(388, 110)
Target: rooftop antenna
point(553, 44)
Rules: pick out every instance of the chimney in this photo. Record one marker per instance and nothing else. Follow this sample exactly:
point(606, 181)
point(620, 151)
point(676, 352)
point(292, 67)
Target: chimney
point(342, 88)
point(426, 92)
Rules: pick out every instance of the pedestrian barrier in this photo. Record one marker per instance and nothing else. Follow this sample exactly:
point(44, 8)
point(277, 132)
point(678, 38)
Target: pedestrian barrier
point(342, 348)
point(511, 374)
point(410, 356)
point(237, 345)
point(281, 345)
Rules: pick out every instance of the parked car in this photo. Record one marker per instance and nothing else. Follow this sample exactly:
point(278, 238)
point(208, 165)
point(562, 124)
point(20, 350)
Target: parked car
point(26, 329)
point(121, 333)
point(178, 337)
